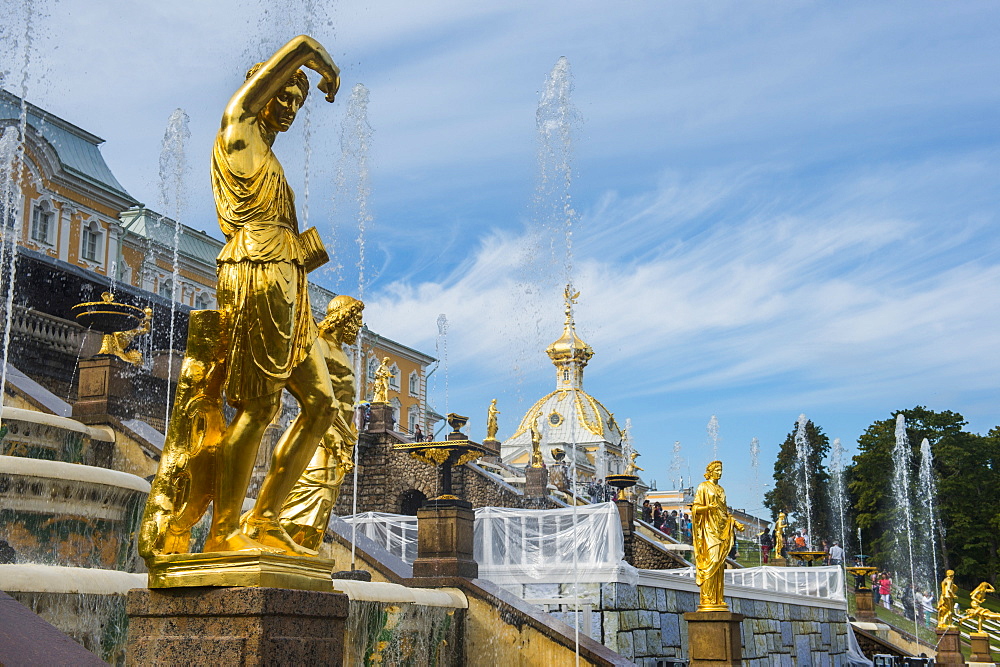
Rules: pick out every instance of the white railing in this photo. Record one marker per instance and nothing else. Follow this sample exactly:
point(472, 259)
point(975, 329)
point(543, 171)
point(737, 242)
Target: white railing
point(826, 582)
point(397, 533)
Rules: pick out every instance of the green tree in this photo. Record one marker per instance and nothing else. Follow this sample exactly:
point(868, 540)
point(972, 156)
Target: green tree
point(967, 467)
point(788, 493)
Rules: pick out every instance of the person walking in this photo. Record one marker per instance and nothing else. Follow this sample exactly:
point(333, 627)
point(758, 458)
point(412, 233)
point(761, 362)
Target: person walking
point(658, 516)
point(885, 590)
point(766, 544)
point(836, 554)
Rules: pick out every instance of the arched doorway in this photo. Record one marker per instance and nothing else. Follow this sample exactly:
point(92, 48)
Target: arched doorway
point(410, 501)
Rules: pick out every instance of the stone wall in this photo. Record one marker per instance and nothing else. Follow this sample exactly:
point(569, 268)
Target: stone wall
point(385, 475)
point(646, 624)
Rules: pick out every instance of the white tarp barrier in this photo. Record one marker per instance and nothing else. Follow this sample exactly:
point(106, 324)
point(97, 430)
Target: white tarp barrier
point(512, 545)
point(825, 582)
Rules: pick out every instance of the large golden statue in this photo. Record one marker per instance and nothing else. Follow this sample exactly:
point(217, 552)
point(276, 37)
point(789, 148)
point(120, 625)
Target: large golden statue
point(713, 534)
point(946, 601)
point(262, 339)
point(779, 535)
point(307, 509)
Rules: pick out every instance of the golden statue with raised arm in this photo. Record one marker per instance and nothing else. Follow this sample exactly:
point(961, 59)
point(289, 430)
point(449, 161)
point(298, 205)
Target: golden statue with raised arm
point(306, 511)
point(713, 532)
point(536, 449)
point(262, 339)
point(632, 467)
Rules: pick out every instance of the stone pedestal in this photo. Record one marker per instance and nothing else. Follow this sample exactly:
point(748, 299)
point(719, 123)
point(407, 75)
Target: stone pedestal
point(104, 388)
point(949, 649)
point(380, 418)
point(536, 482)
point(863, 600)
point(980, 648)
point(626, 512)
point(445, 540)
point(235, 626)
point(714, 638)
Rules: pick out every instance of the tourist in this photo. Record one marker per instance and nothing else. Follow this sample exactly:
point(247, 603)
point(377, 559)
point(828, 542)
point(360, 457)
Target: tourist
point(885, 589)
point(909, 603)
point(418, 434)
point(647, 512)
point(658, 516)
point(927, 605)
point(876, 588)
point(826, 549)
point(836, 554)
point(806, 541)
point(766, 544)
point(7, 553)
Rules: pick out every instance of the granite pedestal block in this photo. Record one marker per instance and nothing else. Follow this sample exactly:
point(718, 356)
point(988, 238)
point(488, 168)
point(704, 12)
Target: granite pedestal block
point(949, 649)
point(865, 605)
point(980, 648)
point(445, 540)
point(714, 638)
point(235, 626)
point(536, 482)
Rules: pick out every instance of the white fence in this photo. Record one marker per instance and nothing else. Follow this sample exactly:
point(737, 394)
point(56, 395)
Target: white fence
point(826, 582)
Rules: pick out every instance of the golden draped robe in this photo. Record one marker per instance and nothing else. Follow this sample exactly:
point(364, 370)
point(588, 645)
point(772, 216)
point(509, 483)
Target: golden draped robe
point(262, 289)
point(713, 535)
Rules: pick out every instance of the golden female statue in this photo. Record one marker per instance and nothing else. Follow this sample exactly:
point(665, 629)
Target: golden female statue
point(380, 392)
point(491, 421)
point(713, 534)
point(264, 300)
point(779, 535)
point(946, 601)
point(307, 509)
point(536, 449)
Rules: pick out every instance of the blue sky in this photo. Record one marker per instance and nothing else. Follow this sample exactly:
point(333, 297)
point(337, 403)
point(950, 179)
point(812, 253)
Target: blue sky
point(783, 207)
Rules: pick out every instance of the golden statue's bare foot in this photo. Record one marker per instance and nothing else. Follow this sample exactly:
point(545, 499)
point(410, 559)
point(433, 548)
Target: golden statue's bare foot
point(270, 533)
point(238, 541)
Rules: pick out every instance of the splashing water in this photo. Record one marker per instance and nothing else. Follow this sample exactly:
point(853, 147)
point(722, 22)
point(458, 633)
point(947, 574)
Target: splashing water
point(837, 472)
point(901, 487)
point(803, 449)
point(927, 490)
point(22, 29)
point(352, 182)
point(676, 465)
point(555, 120)
point(173, 169)
point(442, 352)
point(713, 436)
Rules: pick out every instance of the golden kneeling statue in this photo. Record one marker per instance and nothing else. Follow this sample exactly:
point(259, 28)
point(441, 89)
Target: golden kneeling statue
point(262, 339)
point(713, 533)
point(306, 511)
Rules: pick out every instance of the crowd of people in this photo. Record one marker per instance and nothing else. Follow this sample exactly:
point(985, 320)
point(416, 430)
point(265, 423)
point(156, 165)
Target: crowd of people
point(673, 523)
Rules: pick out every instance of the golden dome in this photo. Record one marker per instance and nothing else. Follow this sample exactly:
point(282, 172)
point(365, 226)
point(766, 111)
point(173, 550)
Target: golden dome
point(569, 347)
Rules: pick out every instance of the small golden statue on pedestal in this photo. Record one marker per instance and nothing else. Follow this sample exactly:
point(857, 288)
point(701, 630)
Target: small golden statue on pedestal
point(714, 531)
point(536, 449)
point(946, 601)
point(632, 467)
point(260, 341)
point(491, 421)
point(380, 391)
point(779, 535)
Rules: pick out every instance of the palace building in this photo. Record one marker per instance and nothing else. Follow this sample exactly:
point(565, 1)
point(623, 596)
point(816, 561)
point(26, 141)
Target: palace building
point(569, 419)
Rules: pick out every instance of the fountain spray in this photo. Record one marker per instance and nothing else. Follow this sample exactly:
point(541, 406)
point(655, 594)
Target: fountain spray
point(837, 467)
point(928, 499)
point(173, 168)
point(713, 436)
point(901, 456)
point(802, 451)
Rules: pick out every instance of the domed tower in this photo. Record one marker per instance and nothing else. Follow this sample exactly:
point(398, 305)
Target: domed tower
point(569, 418)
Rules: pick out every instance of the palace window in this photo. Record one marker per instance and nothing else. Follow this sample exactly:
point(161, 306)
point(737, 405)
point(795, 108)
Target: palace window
point(412, 415)
point(91, 244)
point(166, 289)
point(42, 218)
point(394, 377)
point(414, 384)
point(203, 301)
point(373, 365)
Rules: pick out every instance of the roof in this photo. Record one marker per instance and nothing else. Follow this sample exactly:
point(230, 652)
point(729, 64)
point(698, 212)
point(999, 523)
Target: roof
point(77, 149)
point(192, 243)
